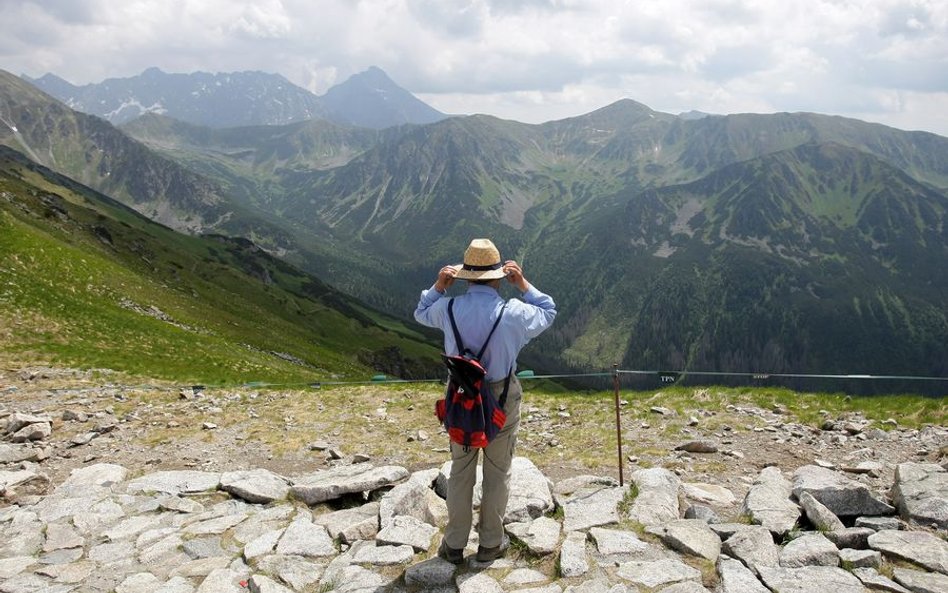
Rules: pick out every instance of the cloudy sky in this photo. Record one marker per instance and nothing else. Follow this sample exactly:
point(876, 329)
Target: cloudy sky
point(884, 61)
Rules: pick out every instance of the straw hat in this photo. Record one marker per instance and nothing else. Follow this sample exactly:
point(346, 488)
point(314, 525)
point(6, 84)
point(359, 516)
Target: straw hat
point(481, 262)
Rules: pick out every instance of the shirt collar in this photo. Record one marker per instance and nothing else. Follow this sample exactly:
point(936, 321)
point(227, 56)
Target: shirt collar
point(482, 288)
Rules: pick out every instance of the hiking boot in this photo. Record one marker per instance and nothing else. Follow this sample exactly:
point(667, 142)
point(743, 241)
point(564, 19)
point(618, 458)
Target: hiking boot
point(489, 554)
point(446, 552)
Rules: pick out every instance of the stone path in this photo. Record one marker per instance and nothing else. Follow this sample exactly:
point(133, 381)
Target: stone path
point(361, 528)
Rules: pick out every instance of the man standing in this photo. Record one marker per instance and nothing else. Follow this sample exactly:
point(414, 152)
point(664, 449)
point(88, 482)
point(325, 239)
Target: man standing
point(475, 313)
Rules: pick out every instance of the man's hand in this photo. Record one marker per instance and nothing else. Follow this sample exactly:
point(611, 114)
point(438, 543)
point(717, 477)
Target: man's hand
point(446, 278)
point(515, 275)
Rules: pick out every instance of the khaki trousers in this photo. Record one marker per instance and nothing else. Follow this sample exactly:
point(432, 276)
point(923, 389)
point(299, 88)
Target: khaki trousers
point(496, 485)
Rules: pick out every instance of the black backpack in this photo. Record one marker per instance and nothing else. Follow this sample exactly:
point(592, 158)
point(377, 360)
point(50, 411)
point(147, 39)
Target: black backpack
point(469, 411)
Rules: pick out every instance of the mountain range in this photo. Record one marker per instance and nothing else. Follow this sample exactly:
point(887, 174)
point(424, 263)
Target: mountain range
point(369, 99)
point(783, 243)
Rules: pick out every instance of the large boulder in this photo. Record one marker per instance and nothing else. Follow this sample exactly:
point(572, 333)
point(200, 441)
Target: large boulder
point(754, 546)
point(541, 536)
point(259, 486)
point(841, 495)
point(692, 536)
point(810, 549)
point(414, 499)
point(918, 547)
point(920, 493)
point(346, 479)
point(657, 499)
point(768, 502)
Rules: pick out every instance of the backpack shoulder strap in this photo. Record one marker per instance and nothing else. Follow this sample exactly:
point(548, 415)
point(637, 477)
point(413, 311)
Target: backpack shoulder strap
point(491, 334)
point(457, 334)
point(454, 326)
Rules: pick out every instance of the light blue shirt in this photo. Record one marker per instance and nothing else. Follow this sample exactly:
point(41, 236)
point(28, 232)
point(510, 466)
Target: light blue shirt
point(475, 312)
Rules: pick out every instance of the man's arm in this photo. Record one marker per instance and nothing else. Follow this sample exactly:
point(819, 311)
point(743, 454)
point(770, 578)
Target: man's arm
point(426, 313)
point(541, 310)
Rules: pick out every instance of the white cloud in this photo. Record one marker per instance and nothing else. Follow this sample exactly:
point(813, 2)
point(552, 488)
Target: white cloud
point(532, 60)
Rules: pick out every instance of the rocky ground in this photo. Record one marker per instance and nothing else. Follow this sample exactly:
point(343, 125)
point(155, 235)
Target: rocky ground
point(152, 482)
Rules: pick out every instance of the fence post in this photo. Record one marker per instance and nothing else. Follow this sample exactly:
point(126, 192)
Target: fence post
point(615, 383)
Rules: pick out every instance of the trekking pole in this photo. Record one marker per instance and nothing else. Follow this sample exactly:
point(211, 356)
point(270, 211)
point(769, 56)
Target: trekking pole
point(615, 383)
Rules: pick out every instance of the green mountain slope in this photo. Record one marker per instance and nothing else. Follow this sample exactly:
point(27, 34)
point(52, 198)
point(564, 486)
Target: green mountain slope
point(816, 259)
point(86, 281)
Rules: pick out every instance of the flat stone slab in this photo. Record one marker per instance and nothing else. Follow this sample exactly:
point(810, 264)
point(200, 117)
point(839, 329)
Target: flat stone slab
point(711, 494)
point(810, 549)
point(384, 555)
point(921, 582)
point(591, 507)
point(686, 587)
point(694, 537)
point(573, 562)
point(17, 453)
point(809, 579)
point(531, 493)
point(610, 542)
point(541, 536)
point(354, 579)
point(304, 538)
point(176, 482)
point(479, 582)
point(296, 571)
point(259, 583)
point(737, 578)
point(658, 572)
point(350, 525)
point(222, 580)
point(258, 486)
point(347, 479)
point(10, 480)
point(918, 547)
point(405, 530)
point(410, 498)
point(872, 579)
point(98, 475)
point(262, 545)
